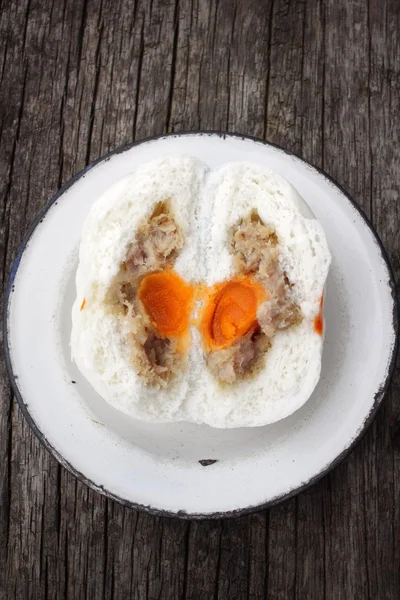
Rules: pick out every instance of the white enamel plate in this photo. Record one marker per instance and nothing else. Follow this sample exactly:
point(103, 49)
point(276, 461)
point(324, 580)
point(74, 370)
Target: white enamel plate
point(185, 469)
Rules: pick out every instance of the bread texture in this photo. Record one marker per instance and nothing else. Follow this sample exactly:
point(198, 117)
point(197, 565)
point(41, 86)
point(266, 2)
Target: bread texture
point(206, 208)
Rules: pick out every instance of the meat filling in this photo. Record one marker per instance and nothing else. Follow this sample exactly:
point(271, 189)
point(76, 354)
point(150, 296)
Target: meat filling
point(240, 359)
point(279, 312)
point(157, 244)
point(157, 360)
point(254, 247)
point(255, 251)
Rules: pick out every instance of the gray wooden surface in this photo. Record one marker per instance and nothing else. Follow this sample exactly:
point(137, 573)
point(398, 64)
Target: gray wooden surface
point(81, 77)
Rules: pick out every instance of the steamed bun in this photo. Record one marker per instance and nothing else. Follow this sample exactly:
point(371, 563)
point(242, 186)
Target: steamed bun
point(198, 294)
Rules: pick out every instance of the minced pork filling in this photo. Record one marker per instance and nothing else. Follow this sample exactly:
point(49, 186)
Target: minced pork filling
point(156, 245)
point(255, 250)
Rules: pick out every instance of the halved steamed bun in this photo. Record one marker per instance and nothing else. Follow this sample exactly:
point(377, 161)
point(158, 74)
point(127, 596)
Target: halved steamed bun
point(199, 295)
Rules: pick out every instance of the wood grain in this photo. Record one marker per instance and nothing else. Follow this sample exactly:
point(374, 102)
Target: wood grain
point(81, 77)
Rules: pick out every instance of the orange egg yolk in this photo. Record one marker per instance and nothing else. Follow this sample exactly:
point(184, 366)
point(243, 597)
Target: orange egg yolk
point(231, 311)
point(168, 301)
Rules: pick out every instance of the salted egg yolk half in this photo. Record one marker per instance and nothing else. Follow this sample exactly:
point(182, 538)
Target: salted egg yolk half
point(231, 311)
point(168, 301)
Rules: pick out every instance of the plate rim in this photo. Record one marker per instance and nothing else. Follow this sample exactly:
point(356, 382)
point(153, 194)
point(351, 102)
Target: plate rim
point(378, 398)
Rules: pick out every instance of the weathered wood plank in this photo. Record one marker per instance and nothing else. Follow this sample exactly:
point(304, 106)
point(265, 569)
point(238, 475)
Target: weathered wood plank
point(382, 456)
point(203, 560)
point(346, 157)
point(30, 176)
point(200, 97)
point(294, 120)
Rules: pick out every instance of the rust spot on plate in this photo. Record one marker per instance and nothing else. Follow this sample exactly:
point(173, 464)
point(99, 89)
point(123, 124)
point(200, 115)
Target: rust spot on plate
point(206, 462)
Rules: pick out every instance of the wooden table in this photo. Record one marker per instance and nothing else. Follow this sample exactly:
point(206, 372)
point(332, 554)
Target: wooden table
point(81, 77)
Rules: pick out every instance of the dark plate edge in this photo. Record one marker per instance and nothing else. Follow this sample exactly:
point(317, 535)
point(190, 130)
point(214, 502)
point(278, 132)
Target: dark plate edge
point(182, 514)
